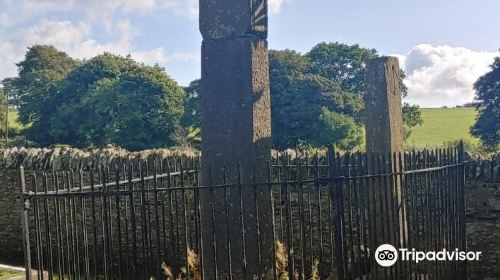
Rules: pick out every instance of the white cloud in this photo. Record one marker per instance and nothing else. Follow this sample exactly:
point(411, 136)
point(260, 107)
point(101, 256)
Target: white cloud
point(98, 7)
point(189, 8)
point(276, 5)
point(9, 55)
point(88, 47)
point(28, 22)
point(185, 8)
point(443, 75)
point(159, 56)
point(100, 10)
point(139, 5)
point(76, 40)
point(53, 32)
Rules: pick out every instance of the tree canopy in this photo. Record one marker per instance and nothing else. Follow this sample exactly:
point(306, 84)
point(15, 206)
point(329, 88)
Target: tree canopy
point(341, 63)
point(141, 109)
point(308, 108)
point(316, 98)
point(107, 99)
point(193, 102)
point(487, 97)
point(313, 94)
point(190, 131)
point(40, 71)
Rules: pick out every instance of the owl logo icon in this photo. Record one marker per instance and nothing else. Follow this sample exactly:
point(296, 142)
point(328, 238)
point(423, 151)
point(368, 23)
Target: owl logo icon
point(386, 255)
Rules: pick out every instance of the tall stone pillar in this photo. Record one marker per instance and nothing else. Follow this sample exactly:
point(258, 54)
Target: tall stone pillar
point(384, 118)
point(236, 223)
point(384, 137)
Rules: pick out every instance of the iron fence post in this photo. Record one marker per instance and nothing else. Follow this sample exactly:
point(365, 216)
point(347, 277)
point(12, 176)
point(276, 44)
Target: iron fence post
point(24, 218)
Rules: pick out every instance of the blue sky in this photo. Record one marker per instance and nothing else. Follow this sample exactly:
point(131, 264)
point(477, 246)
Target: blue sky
point(443, 45)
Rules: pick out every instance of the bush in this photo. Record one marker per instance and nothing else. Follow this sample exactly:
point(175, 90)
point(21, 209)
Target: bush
point(470, 148)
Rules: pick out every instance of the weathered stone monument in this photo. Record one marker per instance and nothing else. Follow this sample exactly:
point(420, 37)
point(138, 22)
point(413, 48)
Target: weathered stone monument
point(384, 137)
point(236, 223)
point(384, 121)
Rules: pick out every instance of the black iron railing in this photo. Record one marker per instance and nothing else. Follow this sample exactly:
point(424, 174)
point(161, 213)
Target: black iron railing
point(331, 212)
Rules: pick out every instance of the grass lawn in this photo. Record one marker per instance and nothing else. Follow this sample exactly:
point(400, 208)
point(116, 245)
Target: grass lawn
point(7, 273)
point(442, 125)
point(13, 120)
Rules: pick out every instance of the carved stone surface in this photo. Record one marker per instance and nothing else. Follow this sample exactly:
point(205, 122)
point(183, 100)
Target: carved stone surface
point(235, 18)
point(384, 135)
point(236, 113)
point(236, 223)
point(384, 118)
point(236, 129)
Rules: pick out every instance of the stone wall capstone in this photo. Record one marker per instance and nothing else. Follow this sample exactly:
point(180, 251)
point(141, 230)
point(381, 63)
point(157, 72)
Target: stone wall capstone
point(44, 159)
point(487, 169)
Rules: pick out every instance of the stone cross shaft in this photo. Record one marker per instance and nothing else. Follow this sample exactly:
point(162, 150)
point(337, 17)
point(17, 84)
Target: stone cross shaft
point(236, 222)
point(384, 142)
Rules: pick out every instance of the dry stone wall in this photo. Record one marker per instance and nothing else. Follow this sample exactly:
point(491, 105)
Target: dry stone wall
point(486, 169)
point(483, 228)
point(70, 158)
point(10, 218)
point(38, 160)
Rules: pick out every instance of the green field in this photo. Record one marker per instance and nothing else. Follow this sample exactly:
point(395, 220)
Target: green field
point(442, 125)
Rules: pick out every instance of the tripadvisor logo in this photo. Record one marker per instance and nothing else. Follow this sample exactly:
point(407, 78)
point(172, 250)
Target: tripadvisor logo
point(387, 255)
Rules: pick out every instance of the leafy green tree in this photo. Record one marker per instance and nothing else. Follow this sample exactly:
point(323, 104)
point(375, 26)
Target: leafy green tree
point(288, 63)
point(190, 132)
point(338, 128)
point(487, 97)
point(10, 89)
point(39, 74)
point(112, 99)
point(346, 64)
point(40, 71)
point(341, 63)
point(107, 99)
point(74, 98)
point(412, 116)
point(138, 110)
point(309, 108)
point(193, 104)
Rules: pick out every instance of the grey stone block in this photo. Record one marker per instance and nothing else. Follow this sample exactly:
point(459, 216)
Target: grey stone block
point(233, 18)
point(236, 128)
point(384, 133)
point(236, 111)
point(384, 118)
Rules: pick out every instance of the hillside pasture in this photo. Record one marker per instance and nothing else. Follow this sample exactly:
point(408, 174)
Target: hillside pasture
point(442, 125)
